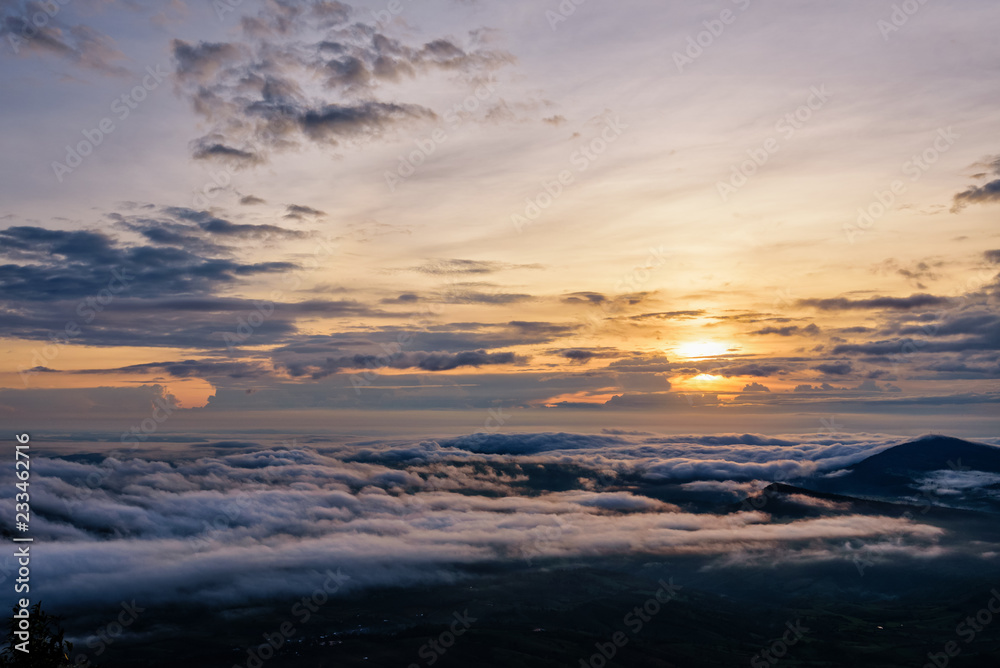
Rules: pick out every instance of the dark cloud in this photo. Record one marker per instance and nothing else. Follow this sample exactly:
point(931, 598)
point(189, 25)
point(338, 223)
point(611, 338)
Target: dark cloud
point(459, 267)
point(971, 328)
point(334, 123)
point(825, 387)
point(489, 298)
point(987, 193)
point(207, 149)
point(418, 360)
point(585, 298)
point(750, 369)
point(586, 354)
point(835, 368)
point(780, 331)
point(253, 92)
point(876, 303)
point(214, 225)
point(405, 298)
point(56, 265)
point(669, 315)
point(193, 369)
point(755, 388)
point(917, 273)
point(77, 43)
point(299, 212)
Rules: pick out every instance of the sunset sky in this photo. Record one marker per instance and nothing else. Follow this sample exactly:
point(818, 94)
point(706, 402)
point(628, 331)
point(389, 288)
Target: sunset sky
point(739, 214)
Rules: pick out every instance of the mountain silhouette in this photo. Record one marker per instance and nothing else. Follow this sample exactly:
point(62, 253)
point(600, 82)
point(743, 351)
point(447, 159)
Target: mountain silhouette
point(902, 472)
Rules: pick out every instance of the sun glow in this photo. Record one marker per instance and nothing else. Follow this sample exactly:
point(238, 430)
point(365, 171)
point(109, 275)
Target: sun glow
point(701, 349)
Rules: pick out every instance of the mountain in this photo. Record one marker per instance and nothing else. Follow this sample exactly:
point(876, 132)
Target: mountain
point(937, 470)
point(931, 453)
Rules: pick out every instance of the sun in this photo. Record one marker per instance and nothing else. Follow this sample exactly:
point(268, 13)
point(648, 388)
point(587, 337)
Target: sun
point(701, 349)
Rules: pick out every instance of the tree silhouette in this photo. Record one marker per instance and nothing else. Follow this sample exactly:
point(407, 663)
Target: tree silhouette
point(46, 646)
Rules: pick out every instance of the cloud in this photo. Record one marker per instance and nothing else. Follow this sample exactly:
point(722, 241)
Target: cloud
point(983, 194)
point(57, 264)
point(584, 355)
point(409, 512)
point(780, 331)
point(459, 267)
point(877, 303)
point(669, 315)
point(308, 74)
point(585, 298)
point(299, 212)
point(420, 360)
point(835, 368)
point(970, 327)
point(206, 148)
point(755, 387)
point(752, 369)
point(207, 368)
point(25, 33)
point(825, 387)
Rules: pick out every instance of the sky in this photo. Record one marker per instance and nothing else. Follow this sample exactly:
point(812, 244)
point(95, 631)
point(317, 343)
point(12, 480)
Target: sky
point(453, 216)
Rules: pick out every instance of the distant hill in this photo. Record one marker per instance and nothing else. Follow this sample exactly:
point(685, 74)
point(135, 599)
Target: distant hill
point(904, 472)
point(931, 453)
